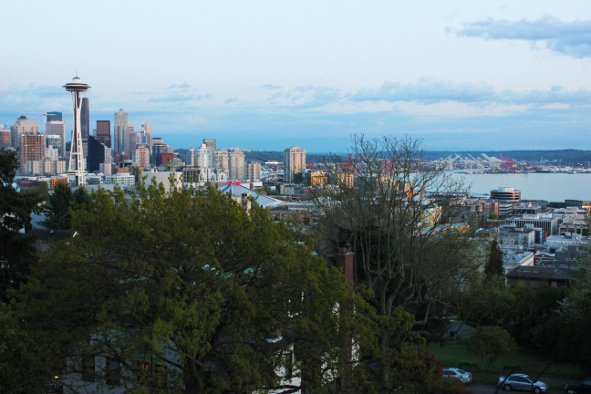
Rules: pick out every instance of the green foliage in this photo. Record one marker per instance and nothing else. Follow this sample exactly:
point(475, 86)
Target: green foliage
point(490, 343)
point(57, 212)
point(16, 249)
point(493, 216)
point(22, 365)
point(494, 274)
point(191, 281)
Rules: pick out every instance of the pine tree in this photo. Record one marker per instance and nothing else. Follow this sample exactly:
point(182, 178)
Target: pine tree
point(493, 270)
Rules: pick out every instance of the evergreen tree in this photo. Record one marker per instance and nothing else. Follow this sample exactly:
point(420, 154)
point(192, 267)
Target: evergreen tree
point(16, 248)
point(58, 211)
point(493, 270)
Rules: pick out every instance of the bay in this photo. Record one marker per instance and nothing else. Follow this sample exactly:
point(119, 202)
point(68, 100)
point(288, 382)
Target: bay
point(533, 186)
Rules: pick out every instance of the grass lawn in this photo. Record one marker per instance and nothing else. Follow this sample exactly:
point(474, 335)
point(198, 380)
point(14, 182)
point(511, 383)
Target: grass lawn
point(451, 355)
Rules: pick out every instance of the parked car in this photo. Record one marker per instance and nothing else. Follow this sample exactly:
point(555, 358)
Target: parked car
point(522, 382)
point(456, 373)
point(579, 388)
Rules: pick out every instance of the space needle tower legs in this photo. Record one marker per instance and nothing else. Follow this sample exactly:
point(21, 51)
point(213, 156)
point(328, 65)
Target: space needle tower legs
point(76, 167)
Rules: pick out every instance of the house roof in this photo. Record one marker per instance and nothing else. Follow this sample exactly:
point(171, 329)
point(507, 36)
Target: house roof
point(540, 273)
point(236, 189)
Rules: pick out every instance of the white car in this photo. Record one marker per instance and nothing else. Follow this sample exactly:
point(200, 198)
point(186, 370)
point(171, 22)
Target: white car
point(456, 373)
point(518, 381)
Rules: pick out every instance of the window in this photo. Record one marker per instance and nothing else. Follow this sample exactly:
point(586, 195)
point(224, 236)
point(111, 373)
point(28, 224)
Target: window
point(113, 372)
point(88, 369)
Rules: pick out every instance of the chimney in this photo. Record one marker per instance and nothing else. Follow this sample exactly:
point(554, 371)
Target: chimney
point(346, 263)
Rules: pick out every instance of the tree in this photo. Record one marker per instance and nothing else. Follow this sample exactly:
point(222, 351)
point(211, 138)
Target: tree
point(404, 253)
point(490, 343)
point(494, 273)
point(16, 248)
point(189, 291)
point(58, 210)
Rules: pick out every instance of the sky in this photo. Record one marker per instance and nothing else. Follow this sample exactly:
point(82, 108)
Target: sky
point(267, 75)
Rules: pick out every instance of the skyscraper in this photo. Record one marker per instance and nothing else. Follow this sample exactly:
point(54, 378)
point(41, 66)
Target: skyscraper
point(54, 115)
point(221, 162)
point(209, 143)
point(32, 149)
point(253, 171)
point(85, 119)
point(98, 153)
point(22, 125)
point(294, 161)
point(146, 133)
point(120, 131)
point(4, 137)
point(57, 128)
point(237, 165)
point(103, 132)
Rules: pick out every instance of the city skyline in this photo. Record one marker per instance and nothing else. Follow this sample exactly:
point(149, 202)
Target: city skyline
point(266, 76)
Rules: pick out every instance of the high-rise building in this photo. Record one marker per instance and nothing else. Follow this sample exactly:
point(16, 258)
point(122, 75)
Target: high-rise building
point(253, 171)
point(146, 133)
point(54, 115)
point(57, 128)
point(294, 161)
point(237, 165)
point(210, 143)
point(103, 132)
point(4, 137)
point(85, 119)
point(191, 160)
point(221, 162)
point(131, 140)
point(98, 153)
point(31, 149)
point(53, 143)
point(120, 131)
point(142, 156)
point(22, 125)
point(205, 157)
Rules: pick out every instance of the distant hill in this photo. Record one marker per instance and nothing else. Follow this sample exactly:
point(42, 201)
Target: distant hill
point(564, 156)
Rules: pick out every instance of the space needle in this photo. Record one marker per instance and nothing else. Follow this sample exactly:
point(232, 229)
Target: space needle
point(77, 167)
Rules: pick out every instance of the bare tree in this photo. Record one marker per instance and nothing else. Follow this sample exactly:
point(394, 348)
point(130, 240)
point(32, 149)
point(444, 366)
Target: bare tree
point(396, 212)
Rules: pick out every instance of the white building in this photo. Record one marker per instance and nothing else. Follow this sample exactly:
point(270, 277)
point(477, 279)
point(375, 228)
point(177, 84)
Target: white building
point(294, 161)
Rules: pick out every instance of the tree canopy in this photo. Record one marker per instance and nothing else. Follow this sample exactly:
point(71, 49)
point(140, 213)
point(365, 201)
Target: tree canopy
point(407, 250)
point(189, 291)
point(16, 248)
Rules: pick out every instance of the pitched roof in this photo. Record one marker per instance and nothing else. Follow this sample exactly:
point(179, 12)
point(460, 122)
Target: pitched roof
point(237, 190)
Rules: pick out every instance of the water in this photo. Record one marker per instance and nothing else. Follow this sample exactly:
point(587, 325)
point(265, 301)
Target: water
point(534, 186)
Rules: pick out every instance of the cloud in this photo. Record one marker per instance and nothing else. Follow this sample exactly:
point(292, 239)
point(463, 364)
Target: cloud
point(179, 98)
point(271, 87)
point(429, 91)
point(230, 100)
point(308, 97)
point(182, 86)
point(568, 38)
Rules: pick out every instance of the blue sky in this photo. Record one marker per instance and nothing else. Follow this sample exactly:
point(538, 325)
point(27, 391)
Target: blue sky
point(267, 75)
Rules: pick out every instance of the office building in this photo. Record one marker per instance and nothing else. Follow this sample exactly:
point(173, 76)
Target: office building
point(54, 115)
point(57, 128)
point(237, 165)
point(294, 161)
point(142, 156)
point(22, 126)
point(103, 132)
point(146, 135)
point(221, 162)
point(253, 171)
point(31, 149)
point(98, 153)
point(120, 131)
point(53, 146)
point(4, 137)
point(210, 143)
point(85, 124)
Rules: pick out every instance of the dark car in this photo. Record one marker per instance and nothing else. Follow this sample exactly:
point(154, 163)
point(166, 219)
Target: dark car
point(579, 388)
